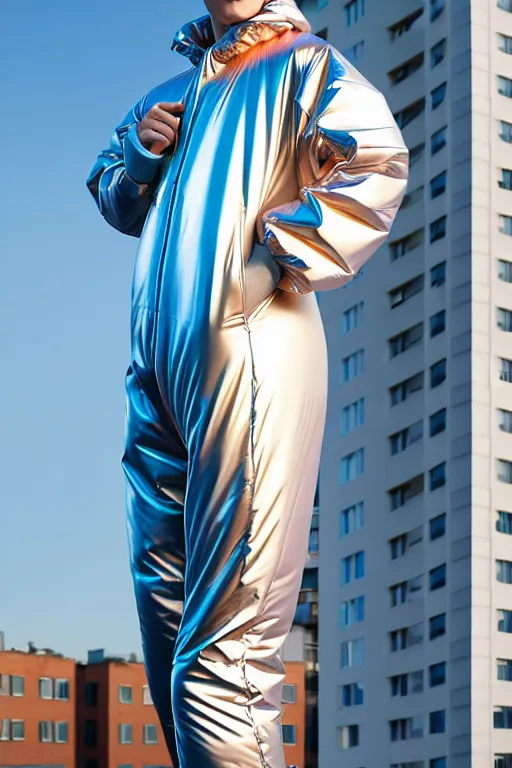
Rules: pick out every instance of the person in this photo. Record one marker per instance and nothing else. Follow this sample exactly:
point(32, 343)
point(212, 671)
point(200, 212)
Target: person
point(268, 170)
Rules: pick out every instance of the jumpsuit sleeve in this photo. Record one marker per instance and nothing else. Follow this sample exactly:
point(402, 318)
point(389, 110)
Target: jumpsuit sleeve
point(122, 181)
point(352, 168)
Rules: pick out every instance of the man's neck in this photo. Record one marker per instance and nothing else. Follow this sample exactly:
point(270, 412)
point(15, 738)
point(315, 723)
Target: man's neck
point(218, 28)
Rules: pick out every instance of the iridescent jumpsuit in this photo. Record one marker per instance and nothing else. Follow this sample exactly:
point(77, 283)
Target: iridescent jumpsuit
point(284, 143)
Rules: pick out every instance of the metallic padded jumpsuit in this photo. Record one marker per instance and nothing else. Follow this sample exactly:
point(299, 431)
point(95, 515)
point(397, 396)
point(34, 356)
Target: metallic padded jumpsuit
point(285, 144)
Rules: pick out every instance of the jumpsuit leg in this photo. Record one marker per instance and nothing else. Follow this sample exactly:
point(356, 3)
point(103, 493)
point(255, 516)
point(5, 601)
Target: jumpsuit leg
point(253, 455)
point(155, 466)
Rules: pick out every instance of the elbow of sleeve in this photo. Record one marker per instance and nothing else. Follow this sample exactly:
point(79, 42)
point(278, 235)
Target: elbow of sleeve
point(141, 165)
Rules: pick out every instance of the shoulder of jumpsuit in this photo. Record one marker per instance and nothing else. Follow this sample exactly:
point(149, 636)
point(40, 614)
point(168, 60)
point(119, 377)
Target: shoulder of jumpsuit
point(322, 68)
point(141, 165)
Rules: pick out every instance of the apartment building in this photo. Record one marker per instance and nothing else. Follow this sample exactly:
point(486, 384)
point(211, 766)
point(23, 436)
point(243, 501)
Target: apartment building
point(415, 566)
point(37, 709)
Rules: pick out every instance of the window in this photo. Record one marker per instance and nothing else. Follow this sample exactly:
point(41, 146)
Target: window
point(416, 195)
point(437, 53)
point(437, 674)
point(504, 669)
point(17, 730)
point(437, 626)
point(438, 577)
point(409, 113)
point(506, 225)
point(406, 728)
point(352, 653)
point(125, 694)
point(437, 762)
point(403, 341)
point(150, 734)
point(45, 731)
point(289, 734)
point(437, 373)
point(405, 684)
point(438, 275)
point(353, 365)
point(438, 422)
point(438, 95)
point(400, 392)
point(353, 317)
point(505, 270)
point(503, 717)
point(352, 466)
point(506, 177)
point(91, 694)
point(505, 420)
point(404, 25)
point(436, 9)
point(505, 5)
point(91, 762)
point(355, 53)
point(505, 471)
point(415, 154)
point(504, 523)
point(406, 637)
point(504, 319)
point(405, 591)
point(5, 685)
point(504, 621)
point(313, 541)
point(350, 695)
point(17, 685)
point(62, 690)
point(289, 695)
point(437, 527)
point(352, 567)
point(437, 323)
point(354, 10)
point(505, 86)
point(438, 185)
point(504, 571)
point(5, 729)
point(61, 733)
point(438, 721)
point(401, 440)
point(501, 761)
point(506, 370)
point(406, 244)
point(322, 33)
point(398, 546)
point(45, 688)
point(406, 69)
point(438, 229)
point(348, 736)
point(437, 476)
point(352, 416)
point(146, 695)
point(406, 291)
point(125, 734)
point(505, 131)
point(401, 494)
point(351, 612)
point(351, 519)
point(438, 140)
point(90, 733)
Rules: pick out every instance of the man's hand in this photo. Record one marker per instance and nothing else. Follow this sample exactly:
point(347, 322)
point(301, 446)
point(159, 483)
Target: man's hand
point(158, 130)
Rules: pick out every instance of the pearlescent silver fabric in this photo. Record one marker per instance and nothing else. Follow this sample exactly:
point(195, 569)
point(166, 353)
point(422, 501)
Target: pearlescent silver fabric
point(287, 175)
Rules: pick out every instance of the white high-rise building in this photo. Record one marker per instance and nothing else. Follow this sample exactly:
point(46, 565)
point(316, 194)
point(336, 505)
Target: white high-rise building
point(415, 582)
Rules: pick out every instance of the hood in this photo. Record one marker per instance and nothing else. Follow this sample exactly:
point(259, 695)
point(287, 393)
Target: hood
point(275, 18)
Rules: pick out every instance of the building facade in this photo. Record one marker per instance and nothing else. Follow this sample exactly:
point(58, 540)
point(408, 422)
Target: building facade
point(117, 724)
point(415, 576)
point(37, 709)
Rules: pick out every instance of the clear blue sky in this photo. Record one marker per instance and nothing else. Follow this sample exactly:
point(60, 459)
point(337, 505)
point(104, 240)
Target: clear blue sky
point(73, 70)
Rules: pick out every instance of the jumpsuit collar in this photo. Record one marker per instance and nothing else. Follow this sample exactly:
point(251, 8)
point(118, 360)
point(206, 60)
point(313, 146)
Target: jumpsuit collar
point(275, 18)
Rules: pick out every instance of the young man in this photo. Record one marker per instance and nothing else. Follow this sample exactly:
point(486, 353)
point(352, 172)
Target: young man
point(266, 171)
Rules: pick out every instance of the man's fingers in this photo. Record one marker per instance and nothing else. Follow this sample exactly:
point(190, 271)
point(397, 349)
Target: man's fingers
point(171, 106)
point(158, 126)
point(157, 113)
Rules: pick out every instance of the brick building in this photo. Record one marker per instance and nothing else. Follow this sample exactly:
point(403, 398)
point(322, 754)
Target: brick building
point(117, 725)
point(37, 709)
point(294, 714)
